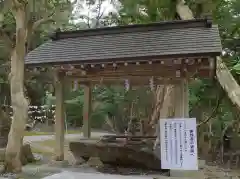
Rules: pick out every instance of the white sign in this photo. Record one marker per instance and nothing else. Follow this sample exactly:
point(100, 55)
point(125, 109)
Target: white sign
point(178, 144)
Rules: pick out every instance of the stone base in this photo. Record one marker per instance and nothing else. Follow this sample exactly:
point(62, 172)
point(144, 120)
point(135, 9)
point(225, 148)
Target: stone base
point(201, 164)
point(187, 174)
point(190, 173)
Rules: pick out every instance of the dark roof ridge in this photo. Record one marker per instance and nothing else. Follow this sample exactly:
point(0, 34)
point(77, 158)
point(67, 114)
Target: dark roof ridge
point(202, 22)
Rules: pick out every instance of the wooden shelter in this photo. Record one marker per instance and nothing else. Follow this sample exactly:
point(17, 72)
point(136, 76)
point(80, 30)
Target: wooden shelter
point(168, 52)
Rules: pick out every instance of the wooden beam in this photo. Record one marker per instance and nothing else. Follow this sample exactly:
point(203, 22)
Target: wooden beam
point(135, 81)
point(87, 111)
point(186, 67)
point(88, 65)
point(146, 70)
point(59, 115)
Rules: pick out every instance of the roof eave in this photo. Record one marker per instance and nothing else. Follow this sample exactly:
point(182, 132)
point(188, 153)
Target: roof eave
point(116, 60)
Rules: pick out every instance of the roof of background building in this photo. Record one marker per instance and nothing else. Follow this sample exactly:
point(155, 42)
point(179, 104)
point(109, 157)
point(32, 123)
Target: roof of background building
point(180, 38)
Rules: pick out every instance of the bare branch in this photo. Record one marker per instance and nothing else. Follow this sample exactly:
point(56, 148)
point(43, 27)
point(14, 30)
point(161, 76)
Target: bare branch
point(32, 27)
point(19, 3)
point(43, 21)
point(74, 1)
point(16, 3)
point(100, 14)
point(214, 112)
point(88, 19)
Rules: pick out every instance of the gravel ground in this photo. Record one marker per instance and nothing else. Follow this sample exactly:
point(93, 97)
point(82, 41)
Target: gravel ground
point(73, 175)
point(86, 172)
point(107, 169)
point(214, 172)
point(210, 173)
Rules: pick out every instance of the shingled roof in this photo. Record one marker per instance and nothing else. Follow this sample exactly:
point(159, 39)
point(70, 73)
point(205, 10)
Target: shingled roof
point(156, 40)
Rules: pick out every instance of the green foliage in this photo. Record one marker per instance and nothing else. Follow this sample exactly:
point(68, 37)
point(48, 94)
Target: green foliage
point(74, 107)
point(44, 17)
point(205, 95)
point(115, 102)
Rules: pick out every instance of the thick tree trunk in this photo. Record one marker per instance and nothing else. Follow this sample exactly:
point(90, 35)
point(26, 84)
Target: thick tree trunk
point(183, 10)
point(223, 74)
point(161, 108)
point(168, 108)
point(19, 102)
point(159, 99)
point(228, 82)
point(164, 112)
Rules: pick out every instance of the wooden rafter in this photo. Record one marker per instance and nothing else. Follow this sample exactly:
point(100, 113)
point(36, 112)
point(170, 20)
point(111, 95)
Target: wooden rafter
point(138, 72)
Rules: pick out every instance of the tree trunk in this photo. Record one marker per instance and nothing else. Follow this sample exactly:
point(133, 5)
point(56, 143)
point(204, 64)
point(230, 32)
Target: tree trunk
point(160, 108)
point(164, 112)
point(19, 102)
point(223, 74)
point(228, 82)
point(168, 108)
point(159, 99)
point(183, 10)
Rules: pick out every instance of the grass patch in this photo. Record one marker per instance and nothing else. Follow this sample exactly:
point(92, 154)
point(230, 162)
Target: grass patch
point(34, 133)
point(47, 143)
point(41, 151)
point(73, 132)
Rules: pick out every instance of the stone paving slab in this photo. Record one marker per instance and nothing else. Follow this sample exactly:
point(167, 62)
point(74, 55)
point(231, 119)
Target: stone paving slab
point(77, 175)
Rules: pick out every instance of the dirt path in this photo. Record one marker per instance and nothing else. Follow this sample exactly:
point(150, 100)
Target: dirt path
point(38, 138)
point(37, 141)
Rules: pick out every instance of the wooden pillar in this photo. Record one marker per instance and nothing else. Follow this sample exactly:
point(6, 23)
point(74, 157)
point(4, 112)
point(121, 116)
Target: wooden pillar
point(87, 111)
point(59, 117)
point(182, 111)
point(181, 101)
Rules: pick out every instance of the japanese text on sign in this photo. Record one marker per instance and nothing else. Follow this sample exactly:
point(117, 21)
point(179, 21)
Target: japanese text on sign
point(178, 144)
